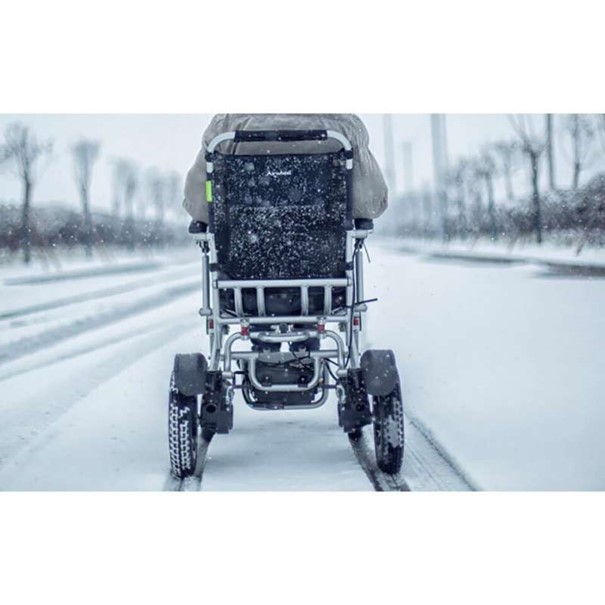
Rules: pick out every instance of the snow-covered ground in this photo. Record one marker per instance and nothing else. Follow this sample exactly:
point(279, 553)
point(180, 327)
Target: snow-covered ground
point(502, 363)
point(548, 252)
point(501, 367)
point(27, 328)
point(64, 262)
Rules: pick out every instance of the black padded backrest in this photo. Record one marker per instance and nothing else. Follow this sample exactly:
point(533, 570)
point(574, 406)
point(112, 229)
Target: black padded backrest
point(281, 216)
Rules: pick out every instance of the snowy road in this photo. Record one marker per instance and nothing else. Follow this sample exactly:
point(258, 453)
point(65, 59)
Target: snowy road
point(502, 362)
point(86, 411)
point(500, 367)
point(101, 424)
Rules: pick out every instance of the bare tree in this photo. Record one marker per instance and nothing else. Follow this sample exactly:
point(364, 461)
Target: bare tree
point(600, 128)
point(485, 169)
point(582, 134)
point(117, 184)
point(156, 185)
point(85, 153)
point(126, 183)
point(156, 188)
point(131, 184)
point(141, 203)
point(455, 181)
point(533, 143)
point(507, 155)
point(427, 212)
point(22, 150)
point(174, 191)
point(476, 211)
point(550, 154)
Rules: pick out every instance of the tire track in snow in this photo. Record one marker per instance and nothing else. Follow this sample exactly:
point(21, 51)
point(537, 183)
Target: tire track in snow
point(426, 466)
point(381, 481)
point(32, 344)
point(86, 273)
point(429, 466)
point(41, 361)
point(89, 296)
point(24, 425)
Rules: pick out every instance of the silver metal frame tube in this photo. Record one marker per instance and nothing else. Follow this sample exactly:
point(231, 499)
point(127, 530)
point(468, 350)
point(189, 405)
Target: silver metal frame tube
point(296, 336)
point(359, 284)
point(260, 301)
point(216, 141)
point(339, 282)
point(205, 310)
point(230, 136)
point(304, 300)
point(280, 319)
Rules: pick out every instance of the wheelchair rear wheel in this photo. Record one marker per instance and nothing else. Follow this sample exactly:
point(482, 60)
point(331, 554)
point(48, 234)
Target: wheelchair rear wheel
point(182, 432)
point(388, 431)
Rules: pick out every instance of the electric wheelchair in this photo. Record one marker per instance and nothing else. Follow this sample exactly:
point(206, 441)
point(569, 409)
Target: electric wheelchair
point(283, 299)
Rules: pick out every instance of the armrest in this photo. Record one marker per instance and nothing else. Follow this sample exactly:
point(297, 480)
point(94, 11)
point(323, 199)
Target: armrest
point(366, 224)
point(197, 227)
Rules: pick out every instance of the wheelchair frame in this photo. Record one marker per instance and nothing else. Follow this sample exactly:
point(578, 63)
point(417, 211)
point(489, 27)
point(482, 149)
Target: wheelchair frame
point(367, 386)
point(346, 352)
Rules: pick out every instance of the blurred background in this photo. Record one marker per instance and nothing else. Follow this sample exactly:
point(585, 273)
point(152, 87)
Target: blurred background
point(96, 185)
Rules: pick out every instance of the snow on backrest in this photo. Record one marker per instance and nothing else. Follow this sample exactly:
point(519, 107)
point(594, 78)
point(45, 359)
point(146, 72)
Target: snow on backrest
point(279, 216)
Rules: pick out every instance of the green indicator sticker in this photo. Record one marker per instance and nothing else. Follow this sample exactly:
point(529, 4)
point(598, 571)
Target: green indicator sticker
point(209, 191)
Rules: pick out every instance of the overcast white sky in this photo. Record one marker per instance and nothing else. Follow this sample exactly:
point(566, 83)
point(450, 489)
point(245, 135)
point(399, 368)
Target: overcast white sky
point(171, 141)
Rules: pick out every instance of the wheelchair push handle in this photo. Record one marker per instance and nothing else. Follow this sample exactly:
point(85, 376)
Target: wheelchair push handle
point(241, 136)
point(247, 136)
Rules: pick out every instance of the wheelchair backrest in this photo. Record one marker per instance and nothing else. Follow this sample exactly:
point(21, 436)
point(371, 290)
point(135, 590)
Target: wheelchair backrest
point(281, 216)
